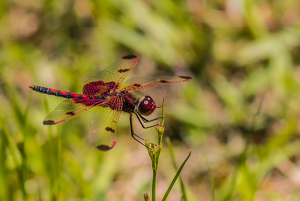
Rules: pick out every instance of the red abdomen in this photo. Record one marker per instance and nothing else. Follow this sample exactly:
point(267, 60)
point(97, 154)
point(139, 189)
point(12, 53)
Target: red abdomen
point(78, 98)
point(54, 92)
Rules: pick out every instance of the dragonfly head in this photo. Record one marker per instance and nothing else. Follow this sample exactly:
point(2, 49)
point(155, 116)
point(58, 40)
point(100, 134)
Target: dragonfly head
point(146, 106)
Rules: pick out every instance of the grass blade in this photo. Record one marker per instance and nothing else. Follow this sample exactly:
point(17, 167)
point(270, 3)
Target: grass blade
point(175, 178)
point(176, 168)
point(243, 155)
point(3, 172)
point(12, 147)
point(212, 181)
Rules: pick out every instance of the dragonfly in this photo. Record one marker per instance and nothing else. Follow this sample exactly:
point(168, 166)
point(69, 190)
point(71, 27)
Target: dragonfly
point(110, 95)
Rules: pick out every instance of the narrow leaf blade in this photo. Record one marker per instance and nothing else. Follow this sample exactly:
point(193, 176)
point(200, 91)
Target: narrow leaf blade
point(175, 178)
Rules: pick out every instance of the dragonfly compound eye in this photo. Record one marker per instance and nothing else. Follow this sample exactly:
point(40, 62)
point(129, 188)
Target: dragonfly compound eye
point(147, 106)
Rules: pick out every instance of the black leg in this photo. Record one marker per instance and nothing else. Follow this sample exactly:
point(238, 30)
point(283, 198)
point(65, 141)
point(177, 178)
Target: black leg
point(159, 106)
point(145, 122)
point(133, 135)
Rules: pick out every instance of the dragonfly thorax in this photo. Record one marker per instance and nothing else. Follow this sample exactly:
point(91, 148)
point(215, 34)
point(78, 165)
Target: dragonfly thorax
point(146, 106)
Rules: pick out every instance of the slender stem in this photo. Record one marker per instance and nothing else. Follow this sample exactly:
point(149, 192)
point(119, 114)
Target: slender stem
point(154, 185)
point(154, 153)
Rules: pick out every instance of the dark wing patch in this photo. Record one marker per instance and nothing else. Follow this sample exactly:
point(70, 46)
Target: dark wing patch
point(70, 113)
point(103, 147)
point(110, 129)
point(49, 122)
point(164, 81)
point(106, 147)
point(123, 70)
point(130, 56)
point(186, 78)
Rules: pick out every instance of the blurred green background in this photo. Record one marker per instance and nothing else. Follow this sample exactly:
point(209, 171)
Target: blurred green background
point(240, 53)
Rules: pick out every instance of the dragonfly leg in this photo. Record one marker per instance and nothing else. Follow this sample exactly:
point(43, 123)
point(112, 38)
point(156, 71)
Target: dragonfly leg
point(159, 106)
point(146, 120)
point(135, 135)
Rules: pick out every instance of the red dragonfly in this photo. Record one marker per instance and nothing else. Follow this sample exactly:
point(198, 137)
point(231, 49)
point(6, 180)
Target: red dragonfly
point(108, 92)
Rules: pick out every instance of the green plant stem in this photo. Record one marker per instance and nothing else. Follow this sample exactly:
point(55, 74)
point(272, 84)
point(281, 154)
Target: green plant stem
point(155, 160)
point(154, 153)
point(154, 185)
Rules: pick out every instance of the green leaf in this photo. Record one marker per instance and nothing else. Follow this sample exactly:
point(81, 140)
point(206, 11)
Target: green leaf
point(175, 178)
point(176, 168)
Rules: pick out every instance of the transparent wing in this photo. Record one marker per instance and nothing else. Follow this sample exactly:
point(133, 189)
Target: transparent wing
point(139, 83)
point(69, 109)
point(111, 77)
point(104, 125)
